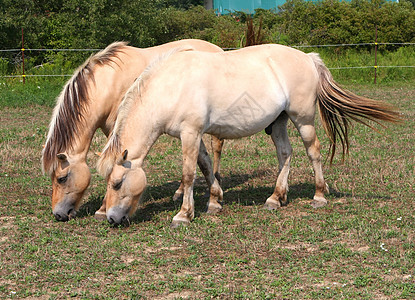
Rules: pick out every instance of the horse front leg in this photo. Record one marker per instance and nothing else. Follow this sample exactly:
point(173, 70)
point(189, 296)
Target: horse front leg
point(190, 148)
point(217, 145)
point(101, 213)
point(212, 176)
point(178, 194)
point(216, 193)
point(281, 141)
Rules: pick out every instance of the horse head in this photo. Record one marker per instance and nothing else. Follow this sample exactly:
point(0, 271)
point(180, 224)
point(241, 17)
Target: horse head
point(70, 179)
point(125, 185)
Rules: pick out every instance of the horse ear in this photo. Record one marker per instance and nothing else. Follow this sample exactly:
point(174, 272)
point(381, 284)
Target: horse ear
point(121, 160)
point(124, 154)
point(62, 157)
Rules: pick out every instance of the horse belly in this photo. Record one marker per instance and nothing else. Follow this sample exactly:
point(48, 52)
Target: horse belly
point(243, 118)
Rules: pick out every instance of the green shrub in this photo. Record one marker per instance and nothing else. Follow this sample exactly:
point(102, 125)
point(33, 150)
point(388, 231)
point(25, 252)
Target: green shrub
point(143, 23)
point(5, 66)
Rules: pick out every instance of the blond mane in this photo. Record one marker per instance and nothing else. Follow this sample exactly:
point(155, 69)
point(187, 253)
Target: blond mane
point(113, 146)
point(72, 103)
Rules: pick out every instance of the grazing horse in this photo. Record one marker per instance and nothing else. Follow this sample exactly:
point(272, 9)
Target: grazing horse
point(229, 95)
point(89, 101)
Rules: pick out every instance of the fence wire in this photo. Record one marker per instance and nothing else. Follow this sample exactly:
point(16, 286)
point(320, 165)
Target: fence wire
point(295, 46)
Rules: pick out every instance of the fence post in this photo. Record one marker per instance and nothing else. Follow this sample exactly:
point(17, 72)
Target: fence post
point(23, 74)
point(376, 51)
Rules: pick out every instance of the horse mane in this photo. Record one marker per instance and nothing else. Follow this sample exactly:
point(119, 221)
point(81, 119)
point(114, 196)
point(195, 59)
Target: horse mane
point(69, 113)
point(113, 147)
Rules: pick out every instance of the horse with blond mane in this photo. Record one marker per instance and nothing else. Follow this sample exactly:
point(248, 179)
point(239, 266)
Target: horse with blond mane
point(229, 95)
point(89, 101)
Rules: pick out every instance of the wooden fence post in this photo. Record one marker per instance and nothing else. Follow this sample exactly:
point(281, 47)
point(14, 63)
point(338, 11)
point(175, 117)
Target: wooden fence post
point(376, 51)
point(23, 74)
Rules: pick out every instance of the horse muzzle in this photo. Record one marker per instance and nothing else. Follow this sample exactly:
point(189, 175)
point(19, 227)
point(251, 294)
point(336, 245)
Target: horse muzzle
point(64, 211)
point(118, 216)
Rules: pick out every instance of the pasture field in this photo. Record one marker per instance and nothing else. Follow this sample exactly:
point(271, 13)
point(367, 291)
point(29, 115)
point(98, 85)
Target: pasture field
point(361, 245)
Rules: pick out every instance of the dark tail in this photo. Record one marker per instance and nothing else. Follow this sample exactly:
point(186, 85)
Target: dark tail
point(338, 107)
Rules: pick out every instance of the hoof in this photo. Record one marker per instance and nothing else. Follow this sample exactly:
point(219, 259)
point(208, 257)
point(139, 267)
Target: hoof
point(318, 202)
point(100, 216)
point(177, 197)
point(272, 204)
point(177, 223)
point(214, 209)
point(327, 189)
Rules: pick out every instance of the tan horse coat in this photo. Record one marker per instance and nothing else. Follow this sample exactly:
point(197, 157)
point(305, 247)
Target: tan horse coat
point(89, 101)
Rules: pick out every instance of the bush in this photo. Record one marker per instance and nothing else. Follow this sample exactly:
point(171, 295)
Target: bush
point(144, 23)
point(5, 66)
point(335, 22)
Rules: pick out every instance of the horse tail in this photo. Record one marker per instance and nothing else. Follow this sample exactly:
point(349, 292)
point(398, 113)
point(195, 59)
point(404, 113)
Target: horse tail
point(338, 107)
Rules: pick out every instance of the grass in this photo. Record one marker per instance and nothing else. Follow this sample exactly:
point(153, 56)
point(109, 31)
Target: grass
point(361, 245)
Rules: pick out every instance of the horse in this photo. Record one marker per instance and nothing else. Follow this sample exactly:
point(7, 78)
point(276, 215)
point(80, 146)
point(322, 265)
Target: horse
point(229, 95)
point(90, 100)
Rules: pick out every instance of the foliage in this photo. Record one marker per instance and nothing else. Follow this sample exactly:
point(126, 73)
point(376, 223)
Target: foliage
point(335, 22)
point(196, 22)
point(96, 23)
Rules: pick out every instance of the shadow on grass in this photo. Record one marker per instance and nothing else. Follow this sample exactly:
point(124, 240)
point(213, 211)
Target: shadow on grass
point(236, 190)
point(89, 208)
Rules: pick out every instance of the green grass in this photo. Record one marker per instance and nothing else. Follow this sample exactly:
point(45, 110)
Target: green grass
point(361, 245)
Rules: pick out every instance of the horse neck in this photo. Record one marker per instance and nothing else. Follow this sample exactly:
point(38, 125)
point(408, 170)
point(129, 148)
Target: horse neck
point(140, 133)
point(106, 93)
point(111, 84)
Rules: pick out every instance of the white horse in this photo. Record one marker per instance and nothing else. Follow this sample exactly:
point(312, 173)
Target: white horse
point(228, 95)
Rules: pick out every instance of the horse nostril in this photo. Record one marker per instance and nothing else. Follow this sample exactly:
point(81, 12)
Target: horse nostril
point(111, 220)
point(71, 213)
point(61, 218)
point(125, 220)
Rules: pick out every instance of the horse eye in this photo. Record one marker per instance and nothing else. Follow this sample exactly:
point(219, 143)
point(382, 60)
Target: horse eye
point(62, 179)
point(117, 185)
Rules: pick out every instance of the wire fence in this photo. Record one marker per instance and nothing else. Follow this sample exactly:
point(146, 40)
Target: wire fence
point(375, 66)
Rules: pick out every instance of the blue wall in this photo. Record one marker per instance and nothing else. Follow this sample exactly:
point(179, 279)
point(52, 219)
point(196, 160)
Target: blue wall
point(249, 6)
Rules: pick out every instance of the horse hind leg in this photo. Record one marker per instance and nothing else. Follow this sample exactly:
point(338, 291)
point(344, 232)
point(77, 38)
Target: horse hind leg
point(312, 145)
point(281, 141)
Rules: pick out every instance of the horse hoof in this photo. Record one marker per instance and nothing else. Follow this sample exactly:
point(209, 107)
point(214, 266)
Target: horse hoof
point(178, 223)
point(272, 204)
point(327, 189)
point(318, 202)
point(177, 197)
point(100, 216)
point(213, 209)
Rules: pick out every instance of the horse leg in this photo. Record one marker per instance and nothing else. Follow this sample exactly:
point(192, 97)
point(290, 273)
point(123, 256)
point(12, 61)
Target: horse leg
point(217, 145)
point(281, 141)
point(312, 145)
point(216, 193)
point(178, 195)
point(190, 148)
point(205, 164)
point(101, 213)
